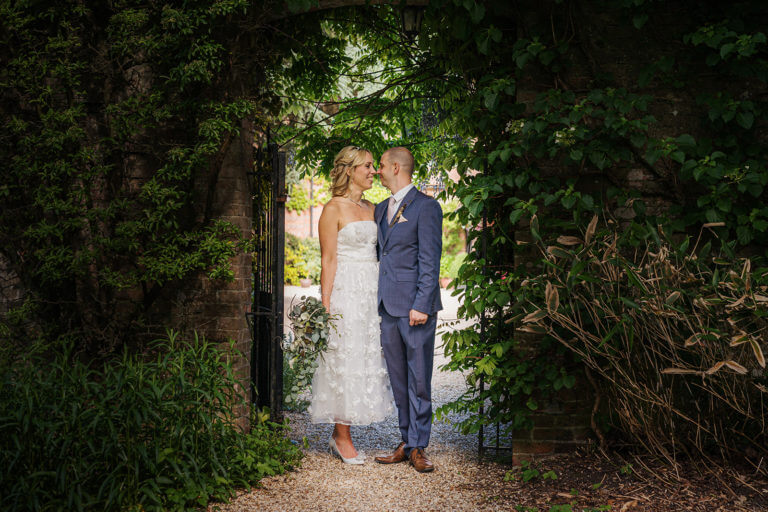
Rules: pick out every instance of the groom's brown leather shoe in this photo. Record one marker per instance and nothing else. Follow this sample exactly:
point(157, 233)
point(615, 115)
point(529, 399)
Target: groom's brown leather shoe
point(420, 462)
point(397, 456)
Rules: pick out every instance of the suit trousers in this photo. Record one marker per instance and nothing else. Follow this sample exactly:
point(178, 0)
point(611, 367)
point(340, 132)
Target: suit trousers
point(409, 353)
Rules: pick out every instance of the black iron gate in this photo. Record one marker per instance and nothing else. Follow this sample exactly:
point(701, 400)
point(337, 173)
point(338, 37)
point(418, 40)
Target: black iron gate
point(496, 445)
point(266, 316)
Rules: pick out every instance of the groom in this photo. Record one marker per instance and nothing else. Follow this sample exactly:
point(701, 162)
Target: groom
point(410, 243)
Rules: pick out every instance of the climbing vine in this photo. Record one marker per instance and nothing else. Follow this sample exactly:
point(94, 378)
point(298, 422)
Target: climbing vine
point(117, 118)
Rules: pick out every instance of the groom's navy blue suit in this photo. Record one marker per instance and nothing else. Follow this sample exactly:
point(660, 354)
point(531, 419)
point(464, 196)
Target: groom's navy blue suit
point(409, 265)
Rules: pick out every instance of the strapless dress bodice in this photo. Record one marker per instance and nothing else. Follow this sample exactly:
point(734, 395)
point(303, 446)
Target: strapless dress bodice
point(357, 241)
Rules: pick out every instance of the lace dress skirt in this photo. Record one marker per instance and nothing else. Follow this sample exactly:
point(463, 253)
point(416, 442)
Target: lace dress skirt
point(351, 384)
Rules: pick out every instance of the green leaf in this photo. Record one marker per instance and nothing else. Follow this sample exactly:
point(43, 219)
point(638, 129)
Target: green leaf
point(535, 228)
point(637, 139)
point(744, 235)
point(491, 100)
point(598, 158)
point(630, 303)
point(502, 299)
point(295, 6)
point(477, 12)
point(686, 140)
point(726, 49)
point(521, 59)
point(745, 119)
point(652, 155)
point(482, 43)
point(639, 21)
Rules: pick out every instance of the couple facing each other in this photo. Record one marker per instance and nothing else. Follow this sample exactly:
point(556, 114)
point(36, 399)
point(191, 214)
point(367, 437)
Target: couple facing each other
point(380, 266)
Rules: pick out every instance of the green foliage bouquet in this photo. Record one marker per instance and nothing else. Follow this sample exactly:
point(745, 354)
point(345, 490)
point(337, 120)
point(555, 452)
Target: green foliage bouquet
point(311, 325)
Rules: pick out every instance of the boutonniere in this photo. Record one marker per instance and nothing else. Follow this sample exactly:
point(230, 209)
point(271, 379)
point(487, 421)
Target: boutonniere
point(399, 214)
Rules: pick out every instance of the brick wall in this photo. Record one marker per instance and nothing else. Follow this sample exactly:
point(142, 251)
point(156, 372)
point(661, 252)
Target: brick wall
point(298, 223)
point(216, 308)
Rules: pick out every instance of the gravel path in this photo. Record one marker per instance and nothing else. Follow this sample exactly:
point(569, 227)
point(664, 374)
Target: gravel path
point(325, 483)
point(586, 482)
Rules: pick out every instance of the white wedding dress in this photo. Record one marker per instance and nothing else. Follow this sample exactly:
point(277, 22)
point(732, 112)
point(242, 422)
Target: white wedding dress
point(351, 384)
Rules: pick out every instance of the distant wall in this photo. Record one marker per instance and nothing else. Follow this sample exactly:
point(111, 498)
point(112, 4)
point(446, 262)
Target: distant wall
point(298, 223)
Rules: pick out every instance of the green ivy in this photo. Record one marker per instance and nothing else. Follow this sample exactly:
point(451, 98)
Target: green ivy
point(117, 118)
point(298, 195)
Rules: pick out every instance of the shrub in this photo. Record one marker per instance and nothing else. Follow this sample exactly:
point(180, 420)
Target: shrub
point(453, 240)
point(298, 193)
point(99, 284)
point(298, 198)
point(154, 434)
point(302, 259)
point(294, 267)
point(311, 256)
point(675, 334)
point(451, 263)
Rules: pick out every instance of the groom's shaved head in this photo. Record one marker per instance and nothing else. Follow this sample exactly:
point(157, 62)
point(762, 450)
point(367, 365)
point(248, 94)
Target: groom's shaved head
point(403, 157)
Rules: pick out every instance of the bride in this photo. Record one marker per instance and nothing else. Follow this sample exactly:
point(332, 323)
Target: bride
point(350, 385)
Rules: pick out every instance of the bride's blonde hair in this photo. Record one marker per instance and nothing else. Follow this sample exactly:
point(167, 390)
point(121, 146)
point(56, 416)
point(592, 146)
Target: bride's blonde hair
point(348, 158)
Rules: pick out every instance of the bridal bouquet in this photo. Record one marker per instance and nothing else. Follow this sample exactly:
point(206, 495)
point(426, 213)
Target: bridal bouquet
point(311, 326)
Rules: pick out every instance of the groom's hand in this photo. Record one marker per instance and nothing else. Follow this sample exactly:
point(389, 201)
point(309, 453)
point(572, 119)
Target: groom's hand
point(417, 318)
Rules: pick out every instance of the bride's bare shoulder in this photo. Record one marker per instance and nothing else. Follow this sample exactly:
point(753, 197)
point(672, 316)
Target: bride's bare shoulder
point(332, 212)
point(333, 204)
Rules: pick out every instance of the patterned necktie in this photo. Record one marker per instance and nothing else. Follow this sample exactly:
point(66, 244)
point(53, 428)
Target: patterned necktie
point(391, 209)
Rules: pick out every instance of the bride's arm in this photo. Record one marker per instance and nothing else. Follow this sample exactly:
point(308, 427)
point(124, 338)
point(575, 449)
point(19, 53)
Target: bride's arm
point(328, 231)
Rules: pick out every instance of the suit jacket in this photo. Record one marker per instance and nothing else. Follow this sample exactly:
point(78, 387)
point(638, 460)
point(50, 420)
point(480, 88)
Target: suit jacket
point(409, 255)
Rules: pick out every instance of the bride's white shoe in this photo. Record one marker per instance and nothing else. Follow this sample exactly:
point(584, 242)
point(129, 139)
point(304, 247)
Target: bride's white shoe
point(359, 459)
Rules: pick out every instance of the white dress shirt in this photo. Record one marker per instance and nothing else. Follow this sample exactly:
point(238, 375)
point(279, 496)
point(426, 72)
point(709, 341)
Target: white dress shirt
point(399, 196)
